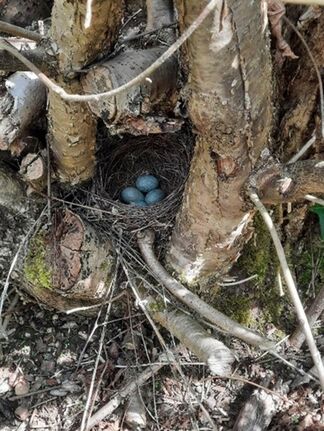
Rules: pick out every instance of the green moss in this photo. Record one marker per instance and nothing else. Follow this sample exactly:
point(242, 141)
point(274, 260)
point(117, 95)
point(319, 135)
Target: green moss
point(36, 269)
point(157, 306)
point(258, 253)
point(259, 257)
point(235, 305)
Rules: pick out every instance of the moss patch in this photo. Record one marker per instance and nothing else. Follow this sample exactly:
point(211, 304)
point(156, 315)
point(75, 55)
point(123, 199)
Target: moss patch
point(36, 269)
point(258, 255)
point(235, 305)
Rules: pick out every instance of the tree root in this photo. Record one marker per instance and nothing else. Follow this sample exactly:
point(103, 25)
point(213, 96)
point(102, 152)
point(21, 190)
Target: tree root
point(145, 242)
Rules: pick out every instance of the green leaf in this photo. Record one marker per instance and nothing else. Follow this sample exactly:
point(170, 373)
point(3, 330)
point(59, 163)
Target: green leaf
point(319, 210)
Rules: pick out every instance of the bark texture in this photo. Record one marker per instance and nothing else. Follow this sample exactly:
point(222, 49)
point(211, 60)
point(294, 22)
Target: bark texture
point(159, 13)
point(154, 94)
point(229, 103)
point(290, 183)
point(68, 264)
point(191, 334)
point(72, 134)
point(72, 128)
point(80, 40)
point(24, 101)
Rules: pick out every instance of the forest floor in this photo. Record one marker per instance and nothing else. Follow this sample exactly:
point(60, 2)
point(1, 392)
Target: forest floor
point(48, 360)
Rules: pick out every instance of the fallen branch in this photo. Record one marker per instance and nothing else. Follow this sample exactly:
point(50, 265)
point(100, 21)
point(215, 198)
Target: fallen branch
point(257, 412)
point(145, 241)
point(14, 30)
point(192, 335)
point(135, 414)
point(125, 391)
point(16, 110)
point(135, 81)
point(279, 183)
point(291, 287)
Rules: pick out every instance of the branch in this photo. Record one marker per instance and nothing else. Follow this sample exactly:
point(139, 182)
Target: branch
point(124, 392)
point(191, 334)
point(145, 241)
point(289, 183)
point(291, 287)
point(38, 57)
point(138, 79)
point(19, 31)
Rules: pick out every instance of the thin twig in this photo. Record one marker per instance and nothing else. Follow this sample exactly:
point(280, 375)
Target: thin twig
point(303, 150)
point(235, 283)
point(145, 242)
point(14, 261)
point(91, 307)
point(125, 391)
point(291, 287)
point(88, 407)
point(314, 199)
point(5, 27)
point(137, 80)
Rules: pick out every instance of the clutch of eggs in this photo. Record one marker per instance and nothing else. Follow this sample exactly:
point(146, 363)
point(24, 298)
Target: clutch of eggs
point(145, 193)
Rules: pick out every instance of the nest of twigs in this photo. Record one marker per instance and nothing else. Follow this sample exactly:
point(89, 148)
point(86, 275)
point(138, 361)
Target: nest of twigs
point(165, 156)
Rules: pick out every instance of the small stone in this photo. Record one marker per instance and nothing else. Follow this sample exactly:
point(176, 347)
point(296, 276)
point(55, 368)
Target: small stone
point(22, 387)
point(22, 413)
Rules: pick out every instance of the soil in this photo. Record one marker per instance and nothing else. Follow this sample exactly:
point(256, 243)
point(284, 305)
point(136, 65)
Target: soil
point(48, 361)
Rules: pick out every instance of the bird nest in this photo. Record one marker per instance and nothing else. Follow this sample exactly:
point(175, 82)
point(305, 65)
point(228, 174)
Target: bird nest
point(165, 156)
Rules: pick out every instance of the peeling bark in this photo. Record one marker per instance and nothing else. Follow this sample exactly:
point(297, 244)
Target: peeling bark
point(68, 264)
point(289, 183)
point(23, 103)
point(72, 135)
point(159, 14)
point(156, 93)
point(78, 45)
point(229, 103)
point(72, 128)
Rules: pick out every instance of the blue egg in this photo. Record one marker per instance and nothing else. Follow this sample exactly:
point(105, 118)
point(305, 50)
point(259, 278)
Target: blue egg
point(154, 196)
point(131, 194)
point(146, 183)
point(140, 204)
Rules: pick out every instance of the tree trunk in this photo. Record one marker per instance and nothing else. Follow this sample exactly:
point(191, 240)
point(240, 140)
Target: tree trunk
point(72, 127)
point(229, 86)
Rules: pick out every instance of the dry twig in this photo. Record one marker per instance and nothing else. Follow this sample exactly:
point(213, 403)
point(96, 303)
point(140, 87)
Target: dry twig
point(145, 242)
point(291, 287)
point(51, 85)
point(14, 30)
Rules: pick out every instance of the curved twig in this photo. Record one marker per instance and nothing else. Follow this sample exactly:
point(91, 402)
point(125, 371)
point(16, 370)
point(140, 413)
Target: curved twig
point(139, 78)
point(291, 287)
point(14, 30)
point(145, 242)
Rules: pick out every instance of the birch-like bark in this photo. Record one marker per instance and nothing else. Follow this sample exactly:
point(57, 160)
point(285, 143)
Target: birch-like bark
point(229, 103)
